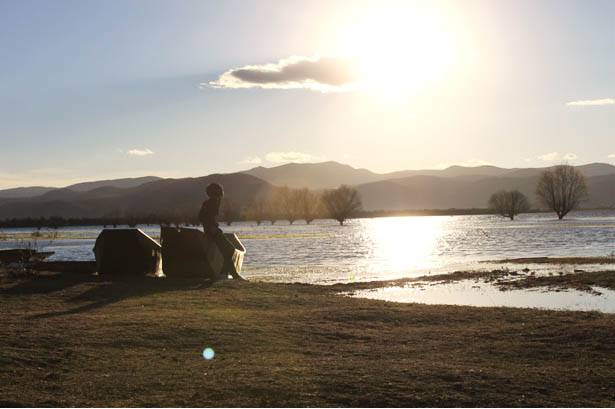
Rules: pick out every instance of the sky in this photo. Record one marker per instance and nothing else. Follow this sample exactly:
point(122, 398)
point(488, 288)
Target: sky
point(107, 89)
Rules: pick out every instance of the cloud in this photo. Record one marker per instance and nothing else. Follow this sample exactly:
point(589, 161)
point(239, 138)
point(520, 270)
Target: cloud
point(612, 156)
point(251, 160)
point(592, 102)
point(319, 73)
point(548, 157)
point(294, 157)
point(139, 152)
point(555, 156)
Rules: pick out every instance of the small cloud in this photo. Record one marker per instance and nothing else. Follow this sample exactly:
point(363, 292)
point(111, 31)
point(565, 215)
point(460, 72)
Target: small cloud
point(319, 73)
point(291, 157)
point(139, 152)
point(555, 156)
point(549, 157)
point(612, 156)
point(251, 160)
point(592, 102)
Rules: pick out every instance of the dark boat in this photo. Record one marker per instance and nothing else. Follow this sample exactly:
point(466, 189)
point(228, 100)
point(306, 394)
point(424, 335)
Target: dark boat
point(188, 252)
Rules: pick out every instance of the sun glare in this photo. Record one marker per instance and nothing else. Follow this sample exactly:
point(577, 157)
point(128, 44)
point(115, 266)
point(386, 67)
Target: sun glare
point(399, 49)
point(405, 244)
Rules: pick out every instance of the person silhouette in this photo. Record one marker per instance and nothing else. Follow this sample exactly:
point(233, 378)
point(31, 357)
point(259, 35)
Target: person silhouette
point(208, 216)
point(210, 210)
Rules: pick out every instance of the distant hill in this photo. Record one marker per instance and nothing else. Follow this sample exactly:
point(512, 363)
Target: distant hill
point(160, 197)
point(313, 175)
point(432, 192)
point(451, 172)
point(21, 192)
point(119, 183)
point(24, 192)
point(454, 187)
point(332, 174)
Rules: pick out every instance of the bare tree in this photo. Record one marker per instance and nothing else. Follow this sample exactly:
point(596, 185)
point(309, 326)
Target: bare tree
point(231, 212)
point(509, 203)
point(341, 203)
point(562, 189)
point(288, 200)
point(258, 210)
point(273, 209)
point(309, 204)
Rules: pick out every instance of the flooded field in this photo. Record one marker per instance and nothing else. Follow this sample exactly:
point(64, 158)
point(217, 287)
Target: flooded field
point(469, 292)
point(373, 249)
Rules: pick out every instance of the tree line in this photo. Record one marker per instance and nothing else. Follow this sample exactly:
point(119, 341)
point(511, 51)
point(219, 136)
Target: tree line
point(285, 203)
point(560, 189)
point(281, 203)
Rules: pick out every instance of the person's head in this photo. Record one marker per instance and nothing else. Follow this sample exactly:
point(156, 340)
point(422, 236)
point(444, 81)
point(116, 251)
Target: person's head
point(214, 190)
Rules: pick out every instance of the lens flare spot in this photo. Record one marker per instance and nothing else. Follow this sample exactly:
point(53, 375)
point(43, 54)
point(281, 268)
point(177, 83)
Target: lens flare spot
point(208, 354)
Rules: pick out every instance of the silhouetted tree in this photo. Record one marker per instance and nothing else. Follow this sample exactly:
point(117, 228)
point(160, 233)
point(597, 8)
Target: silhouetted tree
point(562, 189)
point(309, 204)
point(341, 203)
point(509, 203)
point(257, 210)
point(288, 201)
point(273, 209)
point(231, 212)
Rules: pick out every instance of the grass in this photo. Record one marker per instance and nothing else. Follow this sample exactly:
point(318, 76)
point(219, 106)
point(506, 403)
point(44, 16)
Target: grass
point(559, 260)
point(579, 280)
point(71, 339)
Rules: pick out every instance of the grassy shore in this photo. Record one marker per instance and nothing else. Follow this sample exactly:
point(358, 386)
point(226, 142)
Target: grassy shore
point(69, 339)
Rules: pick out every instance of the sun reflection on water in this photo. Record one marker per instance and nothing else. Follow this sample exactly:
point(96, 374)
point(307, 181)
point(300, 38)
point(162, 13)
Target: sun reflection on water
point(405, 243)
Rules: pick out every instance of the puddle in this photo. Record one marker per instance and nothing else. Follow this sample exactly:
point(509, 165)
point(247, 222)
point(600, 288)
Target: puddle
point(471, 293)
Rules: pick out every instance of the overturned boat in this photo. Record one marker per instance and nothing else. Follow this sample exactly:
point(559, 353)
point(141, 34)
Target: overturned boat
point(127, 252)
point(187, 252)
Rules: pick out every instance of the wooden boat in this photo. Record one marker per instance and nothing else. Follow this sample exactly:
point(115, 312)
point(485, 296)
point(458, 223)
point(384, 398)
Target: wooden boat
point(188, 252)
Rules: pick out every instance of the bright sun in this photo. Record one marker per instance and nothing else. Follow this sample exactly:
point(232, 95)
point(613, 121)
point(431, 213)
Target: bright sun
point(399, 49)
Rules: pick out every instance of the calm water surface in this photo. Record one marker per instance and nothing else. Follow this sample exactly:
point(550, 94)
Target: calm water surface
point(376, 249)
point(470, 292)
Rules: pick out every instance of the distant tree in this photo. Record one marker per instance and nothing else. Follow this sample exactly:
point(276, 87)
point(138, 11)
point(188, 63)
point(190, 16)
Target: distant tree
point(509, 203)
point(341, 203)
point(562, 189)
point(257, 210)
point(288, 201)
point(231, 212)
point(273, 208)
point(309, 204)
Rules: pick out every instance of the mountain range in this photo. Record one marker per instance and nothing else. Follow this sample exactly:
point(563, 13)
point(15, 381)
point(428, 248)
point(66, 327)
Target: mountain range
point(169, 197)
point(454, 187)
point(23, 192)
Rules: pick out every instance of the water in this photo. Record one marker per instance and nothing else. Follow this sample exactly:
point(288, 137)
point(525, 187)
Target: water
point(469, 292)
point(375, 249)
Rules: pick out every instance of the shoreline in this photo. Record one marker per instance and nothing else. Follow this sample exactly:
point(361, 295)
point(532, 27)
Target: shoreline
point(59, 222)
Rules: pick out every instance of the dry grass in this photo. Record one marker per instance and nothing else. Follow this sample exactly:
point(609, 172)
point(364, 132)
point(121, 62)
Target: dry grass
point(74, 340)
point(580, 280)
point(558, 260)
